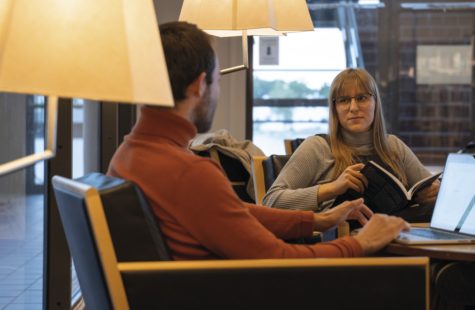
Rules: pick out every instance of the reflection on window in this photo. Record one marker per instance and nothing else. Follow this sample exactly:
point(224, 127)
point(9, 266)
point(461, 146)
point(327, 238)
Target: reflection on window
point(271, 124)
point(37, 131)
point(78, 141)
point(267, 87)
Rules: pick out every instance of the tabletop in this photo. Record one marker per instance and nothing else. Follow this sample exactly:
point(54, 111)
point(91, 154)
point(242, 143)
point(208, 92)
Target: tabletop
point(456, 252)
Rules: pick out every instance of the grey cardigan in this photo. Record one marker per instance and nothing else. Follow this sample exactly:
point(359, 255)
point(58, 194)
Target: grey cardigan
point(313, 163)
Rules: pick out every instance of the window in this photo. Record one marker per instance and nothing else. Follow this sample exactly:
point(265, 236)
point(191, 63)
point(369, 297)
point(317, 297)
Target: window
point(420, 54)
point(22, 194)
point(85, 155)
point(290, 97)
point(291, 87)
point(21, 204)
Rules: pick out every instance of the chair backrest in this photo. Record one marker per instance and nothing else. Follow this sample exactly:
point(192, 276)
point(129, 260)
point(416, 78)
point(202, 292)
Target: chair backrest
point(292, 144)
point(90, 245)
point(111, 201)
point(264, 172)
point(272, 166)
point(139, 238)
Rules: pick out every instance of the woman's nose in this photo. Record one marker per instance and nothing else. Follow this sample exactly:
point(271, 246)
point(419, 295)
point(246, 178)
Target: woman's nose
point(353, 104)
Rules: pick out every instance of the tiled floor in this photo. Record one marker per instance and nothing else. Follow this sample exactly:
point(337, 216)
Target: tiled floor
point(21, 262)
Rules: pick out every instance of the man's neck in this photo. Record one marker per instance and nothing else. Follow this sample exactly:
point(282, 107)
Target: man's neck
point(184, 108)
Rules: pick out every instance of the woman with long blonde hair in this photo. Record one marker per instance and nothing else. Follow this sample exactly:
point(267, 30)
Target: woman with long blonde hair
point(324, 167)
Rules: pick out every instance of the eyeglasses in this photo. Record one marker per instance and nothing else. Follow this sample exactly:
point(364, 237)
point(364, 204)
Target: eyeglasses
point(345, 101)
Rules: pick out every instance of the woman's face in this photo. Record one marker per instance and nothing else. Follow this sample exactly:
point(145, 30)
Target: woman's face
point(355, 108)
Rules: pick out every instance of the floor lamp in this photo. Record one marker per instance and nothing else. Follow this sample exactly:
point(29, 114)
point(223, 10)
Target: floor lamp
point(107, 50)
point(230, 18)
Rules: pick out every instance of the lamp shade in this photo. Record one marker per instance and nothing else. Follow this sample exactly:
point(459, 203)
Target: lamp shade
point(106, 50)
point(224, 18)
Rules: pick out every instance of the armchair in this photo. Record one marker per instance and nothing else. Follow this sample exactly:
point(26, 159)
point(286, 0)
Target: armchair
point(264, 172)
point(111, 282)
point(291, 145)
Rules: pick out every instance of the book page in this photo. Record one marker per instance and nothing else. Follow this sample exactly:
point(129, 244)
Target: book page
point(425, 182)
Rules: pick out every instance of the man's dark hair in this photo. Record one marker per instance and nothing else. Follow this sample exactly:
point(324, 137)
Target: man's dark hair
point(188, 53)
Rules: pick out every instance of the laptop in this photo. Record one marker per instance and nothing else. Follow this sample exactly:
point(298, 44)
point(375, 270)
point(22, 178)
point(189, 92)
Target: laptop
point(453, 219)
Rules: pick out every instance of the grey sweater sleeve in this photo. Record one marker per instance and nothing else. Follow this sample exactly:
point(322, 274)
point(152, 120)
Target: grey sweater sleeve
point(312, 164)
point(297, 184)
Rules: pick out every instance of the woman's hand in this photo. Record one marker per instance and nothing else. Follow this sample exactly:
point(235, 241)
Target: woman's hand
point(348, 210)
point(428, 194)
point(351, 177)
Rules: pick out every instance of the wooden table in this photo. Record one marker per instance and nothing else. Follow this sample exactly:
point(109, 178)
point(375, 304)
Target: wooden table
point(449, 252)
point(452, 252)
point(453, 284)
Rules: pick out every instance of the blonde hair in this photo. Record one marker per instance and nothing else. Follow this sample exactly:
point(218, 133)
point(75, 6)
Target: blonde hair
point(343, 153)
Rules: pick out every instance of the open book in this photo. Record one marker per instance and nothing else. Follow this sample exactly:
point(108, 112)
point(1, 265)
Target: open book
point(385, 193)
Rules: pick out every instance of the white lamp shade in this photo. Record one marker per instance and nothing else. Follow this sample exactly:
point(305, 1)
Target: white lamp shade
point(96, 49)
point(258, 17)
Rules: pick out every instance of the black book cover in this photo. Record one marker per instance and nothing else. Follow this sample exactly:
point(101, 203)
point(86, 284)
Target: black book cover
point(385, 193)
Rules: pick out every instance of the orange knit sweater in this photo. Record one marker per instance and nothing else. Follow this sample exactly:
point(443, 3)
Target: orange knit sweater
point(200, 215)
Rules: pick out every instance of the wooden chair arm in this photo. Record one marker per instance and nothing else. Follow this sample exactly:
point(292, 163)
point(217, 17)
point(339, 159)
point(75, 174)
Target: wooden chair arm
point(359, 283)
point(258, 178)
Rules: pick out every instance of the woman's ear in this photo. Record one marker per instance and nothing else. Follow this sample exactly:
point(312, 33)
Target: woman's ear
point(197, 88)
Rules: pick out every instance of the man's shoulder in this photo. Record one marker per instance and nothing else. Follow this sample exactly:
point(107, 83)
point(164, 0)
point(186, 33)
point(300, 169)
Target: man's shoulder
point(153, 164)
point(163, 156)
point(189, 163)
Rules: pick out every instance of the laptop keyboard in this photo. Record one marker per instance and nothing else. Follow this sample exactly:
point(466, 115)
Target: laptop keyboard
point(435, 234)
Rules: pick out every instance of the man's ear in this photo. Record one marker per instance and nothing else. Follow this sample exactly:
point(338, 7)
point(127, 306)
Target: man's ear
point(197, 88)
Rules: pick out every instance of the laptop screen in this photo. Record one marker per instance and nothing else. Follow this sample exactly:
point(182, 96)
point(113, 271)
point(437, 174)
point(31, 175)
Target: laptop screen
point(455, 206)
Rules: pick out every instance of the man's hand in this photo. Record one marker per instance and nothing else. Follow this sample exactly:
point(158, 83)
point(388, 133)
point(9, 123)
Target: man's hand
point(348, 210)
point(428, 194)
point(379, 231)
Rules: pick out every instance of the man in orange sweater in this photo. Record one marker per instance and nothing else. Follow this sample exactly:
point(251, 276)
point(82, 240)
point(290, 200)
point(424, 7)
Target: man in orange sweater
point(200, 215)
